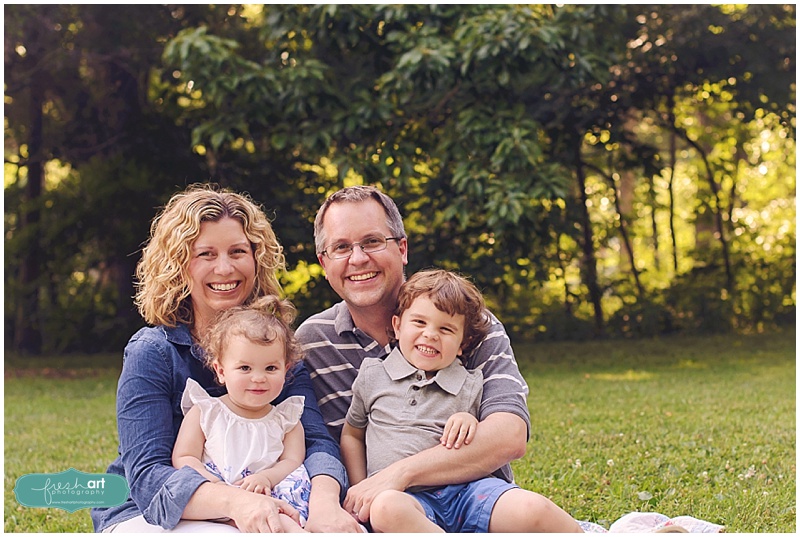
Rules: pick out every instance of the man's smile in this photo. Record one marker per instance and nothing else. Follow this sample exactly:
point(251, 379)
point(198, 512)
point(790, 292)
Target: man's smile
point(362, 277)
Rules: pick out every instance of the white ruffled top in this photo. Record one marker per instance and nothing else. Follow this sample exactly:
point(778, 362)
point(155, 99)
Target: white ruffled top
point(235, 446)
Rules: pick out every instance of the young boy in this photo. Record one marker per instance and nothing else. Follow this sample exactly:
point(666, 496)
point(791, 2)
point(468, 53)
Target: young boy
point(420, 396)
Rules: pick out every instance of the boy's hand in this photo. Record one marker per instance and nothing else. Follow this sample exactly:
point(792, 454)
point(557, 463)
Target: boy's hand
point(459, 430)
point(257, 483)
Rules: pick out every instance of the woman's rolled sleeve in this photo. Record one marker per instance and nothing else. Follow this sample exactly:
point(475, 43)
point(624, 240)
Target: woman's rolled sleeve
point(167, 506)
point(146, 423)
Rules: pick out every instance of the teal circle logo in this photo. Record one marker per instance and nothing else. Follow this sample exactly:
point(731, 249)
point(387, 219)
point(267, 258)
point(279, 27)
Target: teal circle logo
point(71, 490)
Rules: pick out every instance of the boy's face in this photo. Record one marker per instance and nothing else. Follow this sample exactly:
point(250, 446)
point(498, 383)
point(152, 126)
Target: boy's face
point(429, 338)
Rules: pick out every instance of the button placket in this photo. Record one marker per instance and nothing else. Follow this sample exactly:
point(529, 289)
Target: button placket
point(419, 377)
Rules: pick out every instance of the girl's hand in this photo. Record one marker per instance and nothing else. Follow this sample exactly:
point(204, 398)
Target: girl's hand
point(258, 483)
point(459, 430)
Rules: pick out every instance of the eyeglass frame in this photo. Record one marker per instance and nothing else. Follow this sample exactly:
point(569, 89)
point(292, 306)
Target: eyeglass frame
point(353, 245)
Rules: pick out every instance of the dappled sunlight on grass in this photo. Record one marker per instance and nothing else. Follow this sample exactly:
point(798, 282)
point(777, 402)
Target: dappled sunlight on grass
point(629, 375)
point(691, 364)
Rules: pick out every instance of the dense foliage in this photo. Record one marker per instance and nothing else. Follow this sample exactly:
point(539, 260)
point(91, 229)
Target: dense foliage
point(599, 170)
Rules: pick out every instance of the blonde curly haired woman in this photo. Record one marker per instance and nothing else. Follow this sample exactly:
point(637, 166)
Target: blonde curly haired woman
point(209, 250)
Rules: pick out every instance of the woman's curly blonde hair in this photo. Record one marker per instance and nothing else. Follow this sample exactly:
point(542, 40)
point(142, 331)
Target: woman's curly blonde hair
point(162, 274)
point(266, 320)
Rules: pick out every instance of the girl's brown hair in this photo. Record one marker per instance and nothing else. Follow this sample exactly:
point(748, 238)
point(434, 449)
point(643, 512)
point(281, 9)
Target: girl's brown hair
point(267, 320)
point(162, 275)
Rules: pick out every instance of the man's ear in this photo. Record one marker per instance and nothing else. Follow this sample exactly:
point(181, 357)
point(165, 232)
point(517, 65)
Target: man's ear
point(403, 244)
point(322, 259)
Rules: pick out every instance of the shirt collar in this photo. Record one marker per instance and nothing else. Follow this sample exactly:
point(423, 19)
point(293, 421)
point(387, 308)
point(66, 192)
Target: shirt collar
point(181, 334)
point(178, 334)
point(344, 321)
point(450, 379)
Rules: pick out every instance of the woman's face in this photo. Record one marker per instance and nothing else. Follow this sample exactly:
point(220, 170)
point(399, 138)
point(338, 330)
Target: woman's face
point(222, 269)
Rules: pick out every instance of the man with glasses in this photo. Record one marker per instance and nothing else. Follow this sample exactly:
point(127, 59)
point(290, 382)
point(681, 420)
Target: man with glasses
point(362, 245)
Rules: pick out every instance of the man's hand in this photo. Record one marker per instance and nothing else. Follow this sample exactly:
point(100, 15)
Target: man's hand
point(459, 430)
point(360, 496)
point(325, 515)
point(331, 518)
point(439, 466)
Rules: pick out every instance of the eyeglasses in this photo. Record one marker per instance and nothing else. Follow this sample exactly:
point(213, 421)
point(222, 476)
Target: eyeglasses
point(370, 245)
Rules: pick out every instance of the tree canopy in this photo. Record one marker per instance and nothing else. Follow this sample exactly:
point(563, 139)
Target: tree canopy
point(596, 169)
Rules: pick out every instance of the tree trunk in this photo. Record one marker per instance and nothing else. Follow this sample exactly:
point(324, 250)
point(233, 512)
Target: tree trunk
point(716, 211)
point(589, 262)
point(651, 183)
point(673, 159)
point(623, 202)
point(27, 329)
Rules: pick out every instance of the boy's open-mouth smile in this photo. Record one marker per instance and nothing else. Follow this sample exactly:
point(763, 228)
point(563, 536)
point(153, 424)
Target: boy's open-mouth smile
point(427, 351)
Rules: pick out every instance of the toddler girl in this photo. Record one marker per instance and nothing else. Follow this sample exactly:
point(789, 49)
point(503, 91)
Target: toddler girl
point(240, 438)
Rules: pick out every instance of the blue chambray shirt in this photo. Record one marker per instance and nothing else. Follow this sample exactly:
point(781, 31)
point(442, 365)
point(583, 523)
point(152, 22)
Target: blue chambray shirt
point(156, 363)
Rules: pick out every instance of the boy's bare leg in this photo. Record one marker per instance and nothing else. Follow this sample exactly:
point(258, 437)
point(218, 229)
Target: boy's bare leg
point(397, 512)
point(524, 511)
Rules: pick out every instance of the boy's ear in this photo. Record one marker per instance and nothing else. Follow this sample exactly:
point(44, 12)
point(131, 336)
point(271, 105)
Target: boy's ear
point(464, 346)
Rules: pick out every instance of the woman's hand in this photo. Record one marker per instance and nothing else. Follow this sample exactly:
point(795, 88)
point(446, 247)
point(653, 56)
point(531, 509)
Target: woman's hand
point(258, 513)
point(459, 430)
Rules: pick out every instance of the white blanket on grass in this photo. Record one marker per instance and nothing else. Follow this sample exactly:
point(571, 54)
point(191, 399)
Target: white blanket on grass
point(653, 522)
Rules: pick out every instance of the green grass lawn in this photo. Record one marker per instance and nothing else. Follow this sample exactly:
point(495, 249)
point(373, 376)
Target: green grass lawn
point(701, 426)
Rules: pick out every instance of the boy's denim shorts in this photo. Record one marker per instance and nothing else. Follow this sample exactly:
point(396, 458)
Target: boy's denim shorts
point(464, 508)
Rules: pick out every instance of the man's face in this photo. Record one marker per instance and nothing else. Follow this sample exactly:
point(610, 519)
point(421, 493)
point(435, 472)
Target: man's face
point(363, 280)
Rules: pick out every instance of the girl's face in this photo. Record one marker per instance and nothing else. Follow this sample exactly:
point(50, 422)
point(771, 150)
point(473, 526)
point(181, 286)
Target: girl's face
point(222, 269)
point(254, 375)
point(429, 338)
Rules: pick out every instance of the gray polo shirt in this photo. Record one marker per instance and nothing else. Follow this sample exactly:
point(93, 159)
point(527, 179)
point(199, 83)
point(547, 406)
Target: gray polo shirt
point(334, 348)
point(403, 411)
